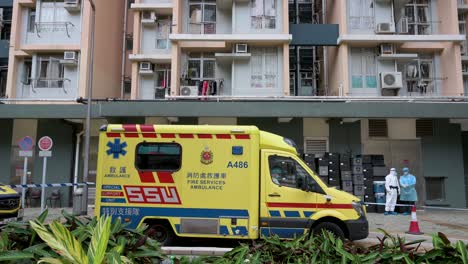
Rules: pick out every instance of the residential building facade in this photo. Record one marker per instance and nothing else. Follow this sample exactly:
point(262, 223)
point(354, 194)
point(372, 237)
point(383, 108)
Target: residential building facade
point(6, 8)
point(348, 76)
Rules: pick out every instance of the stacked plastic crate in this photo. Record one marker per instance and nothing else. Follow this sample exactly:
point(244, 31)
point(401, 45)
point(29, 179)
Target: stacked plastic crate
point(379, 171)
point(362, 179)
point(346, 173)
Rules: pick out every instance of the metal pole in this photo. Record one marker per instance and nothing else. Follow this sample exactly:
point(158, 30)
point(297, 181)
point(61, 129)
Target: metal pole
point(44, 168)
point(25, 175)
point(84, 209)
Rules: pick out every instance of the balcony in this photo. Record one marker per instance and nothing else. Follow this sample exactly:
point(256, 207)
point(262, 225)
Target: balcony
point(462, 7)
point(53, 88)
point(233, 38)
point(54, 33)
point(377, 39)
point(163, 6)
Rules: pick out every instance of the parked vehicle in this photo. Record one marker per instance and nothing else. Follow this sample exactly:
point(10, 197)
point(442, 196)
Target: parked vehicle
point(9, 204)
point(233, 182)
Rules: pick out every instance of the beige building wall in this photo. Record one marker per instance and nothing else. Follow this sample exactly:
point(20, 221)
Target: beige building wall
point(338, 77)
point(108, 47)
point(338, 80)
point(448, 16)
point(316, 127)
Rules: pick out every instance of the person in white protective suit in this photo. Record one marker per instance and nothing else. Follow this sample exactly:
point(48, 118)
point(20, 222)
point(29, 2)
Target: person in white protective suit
point(392, 187)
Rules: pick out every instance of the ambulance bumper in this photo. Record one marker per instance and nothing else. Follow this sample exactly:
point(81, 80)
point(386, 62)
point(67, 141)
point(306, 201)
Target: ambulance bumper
point(358, 229)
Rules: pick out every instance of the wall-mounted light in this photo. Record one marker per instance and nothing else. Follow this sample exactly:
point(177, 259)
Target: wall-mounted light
point(284, 119)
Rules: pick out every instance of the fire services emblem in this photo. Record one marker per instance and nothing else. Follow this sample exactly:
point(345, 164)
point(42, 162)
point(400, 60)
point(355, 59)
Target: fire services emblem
point(206, 156)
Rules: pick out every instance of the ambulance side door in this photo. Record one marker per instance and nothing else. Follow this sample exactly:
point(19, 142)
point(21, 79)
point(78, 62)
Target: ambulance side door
point(287, 205)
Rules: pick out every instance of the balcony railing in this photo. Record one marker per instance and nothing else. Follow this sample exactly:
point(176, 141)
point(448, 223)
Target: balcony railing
point(44, 27)
point(202, 28)
point(54, 83)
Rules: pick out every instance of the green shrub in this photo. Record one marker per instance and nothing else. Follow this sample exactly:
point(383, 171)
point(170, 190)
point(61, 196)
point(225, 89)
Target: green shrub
point(76, 241)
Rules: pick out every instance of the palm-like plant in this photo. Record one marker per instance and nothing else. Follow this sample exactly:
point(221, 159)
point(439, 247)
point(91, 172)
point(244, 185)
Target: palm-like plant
point(70, 250)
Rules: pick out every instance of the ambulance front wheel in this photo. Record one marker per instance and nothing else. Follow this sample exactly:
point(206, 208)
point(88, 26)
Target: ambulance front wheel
point(331, 227)
point(162, 233)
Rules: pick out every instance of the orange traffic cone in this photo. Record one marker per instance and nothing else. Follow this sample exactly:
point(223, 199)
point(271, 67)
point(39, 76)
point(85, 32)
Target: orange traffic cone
point(414, 226)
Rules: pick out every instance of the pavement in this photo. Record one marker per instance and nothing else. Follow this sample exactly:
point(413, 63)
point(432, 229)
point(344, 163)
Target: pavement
point(454, 224)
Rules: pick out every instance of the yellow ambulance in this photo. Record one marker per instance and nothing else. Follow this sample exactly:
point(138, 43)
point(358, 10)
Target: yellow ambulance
point(10, 204)
point(233, 182)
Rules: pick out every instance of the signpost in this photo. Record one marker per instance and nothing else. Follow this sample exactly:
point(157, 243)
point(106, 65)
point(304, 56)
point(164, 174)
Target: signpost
point(26, 144)
point(45, 145)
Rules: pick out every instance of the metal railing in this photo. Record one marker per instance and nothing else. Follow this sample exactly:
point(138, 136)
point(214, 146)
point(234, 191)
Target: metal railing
point(41, 83)
point(41, 27)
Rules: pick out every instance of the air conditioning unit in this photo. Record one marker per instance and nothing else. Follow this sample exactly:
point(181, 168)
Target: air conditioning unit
point(387, 49)
point(241, 48)
point(70, 58)
point(404, 28)
point(72, 5)
point(146, 67)
point(391, 80)
point(189, 91)
point(148, 18)
point(385, 28)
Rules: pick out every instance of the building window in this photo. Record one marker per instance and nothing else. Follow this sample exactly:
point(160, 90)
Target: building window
point(158, 156)
point(129, 42)
point(418, 75)
point(6, 19)
point(418, 14)
point(52, 16)
point(201, 66)
point(50, 73)
point(264, 67)
point(31, 20)
point(27, 70)
point(361, 14)
point(263, 14)
point(435, 189)
point(163, 29)
point(202, 17)
point(462, 30)
point(127, 86)
point(363, 68)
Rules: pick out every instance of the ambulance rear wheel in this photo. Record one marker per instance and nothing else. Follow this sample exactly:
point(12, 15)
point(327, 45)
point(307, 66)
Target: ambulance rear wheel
point(162, 233)
point(330, 227)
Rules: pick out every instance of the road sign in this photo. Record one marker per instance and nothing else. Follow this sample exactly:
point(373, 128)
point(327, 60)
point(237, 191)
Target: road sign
point(25, 153)
point(26, 143)
point(45, 143)
point(45, 153)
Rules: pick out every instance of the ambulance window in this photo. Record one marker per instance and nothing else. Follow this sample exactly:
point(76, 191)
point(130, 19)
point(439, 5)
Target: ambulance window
point(287, 172)
point(158, 156)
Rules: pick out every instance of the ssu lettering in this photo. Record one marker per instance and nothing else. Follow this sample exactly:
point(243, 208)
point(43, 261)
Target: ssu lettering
point(152, 194)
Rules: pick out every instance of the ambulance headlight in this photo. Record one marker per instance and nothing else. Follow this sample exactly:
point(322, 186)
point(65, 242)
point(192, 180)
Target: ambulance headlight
point(358, 207)
point(291, 143)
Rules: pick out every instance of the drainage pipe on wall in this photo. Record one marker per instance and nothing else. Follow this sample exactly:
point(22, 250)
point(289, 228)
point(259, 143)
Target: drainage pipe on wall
point(325, 49)
point(77, 158)
point(124, 51)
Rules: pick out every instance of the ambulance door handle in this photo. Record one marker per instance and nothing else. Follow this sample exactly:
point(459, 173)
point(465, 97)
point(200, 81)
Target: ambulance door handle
point(274, 195)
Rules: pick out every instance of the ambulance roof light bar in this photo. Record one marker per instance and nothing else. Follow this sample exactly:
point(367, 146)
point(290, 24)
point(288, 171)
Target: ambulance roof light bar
point(237, 130)
point(117, 129)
